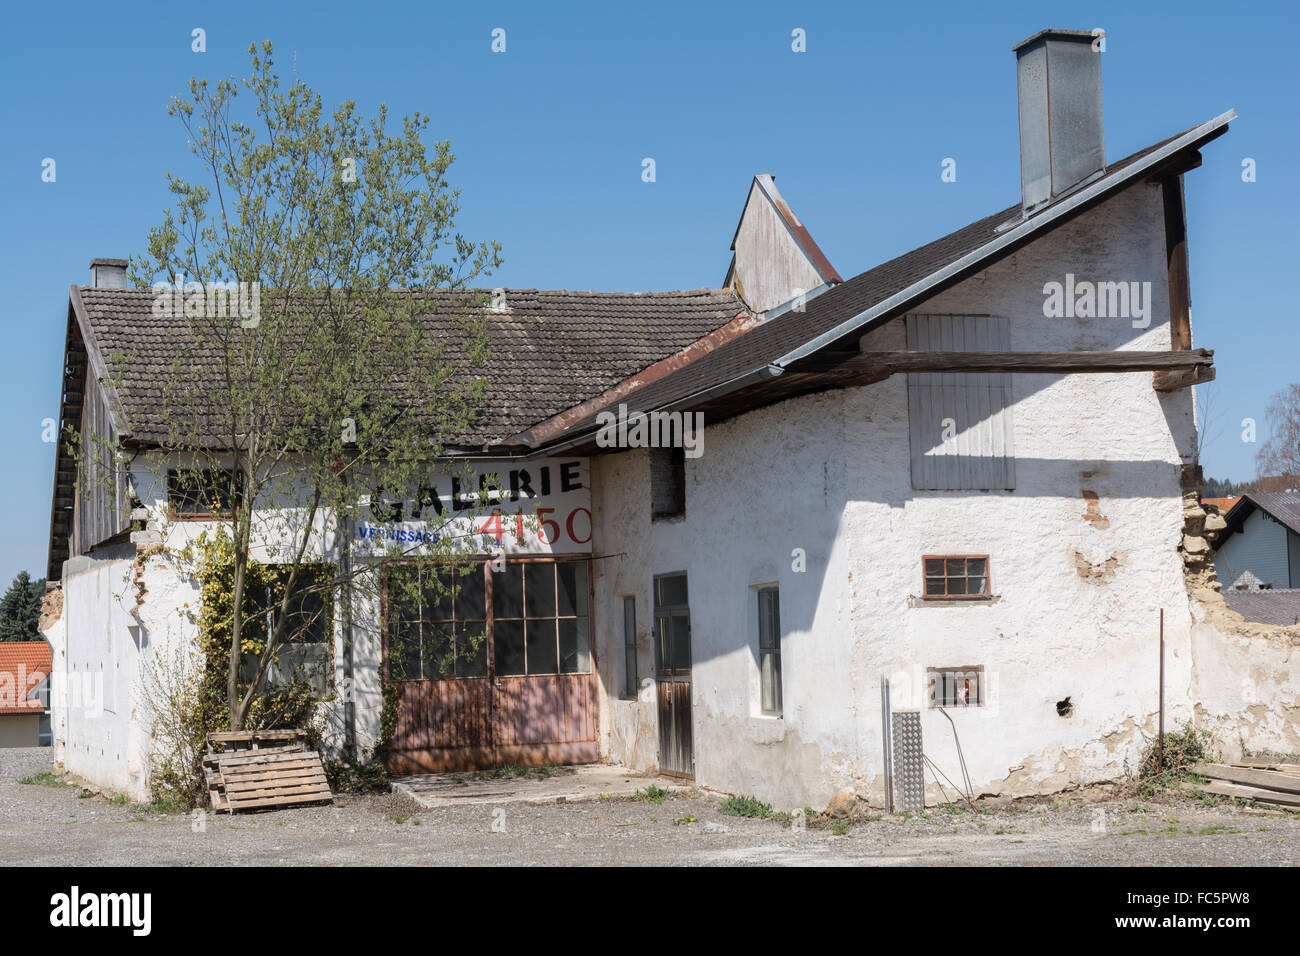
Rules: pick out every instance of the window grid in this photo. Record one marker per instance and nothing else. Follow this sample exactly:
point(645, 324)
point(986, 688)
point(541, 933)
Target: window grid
point(956, 686)
point(956, 577)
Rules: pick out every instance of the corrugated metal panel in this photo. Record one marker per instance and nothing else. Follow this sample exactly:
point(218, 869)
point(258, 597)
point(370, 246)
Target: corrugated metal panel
point(976, 408)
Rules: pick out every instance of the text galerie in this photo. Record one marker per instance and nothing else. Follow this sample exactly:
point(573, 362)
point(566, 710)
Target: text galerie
point(515, 485)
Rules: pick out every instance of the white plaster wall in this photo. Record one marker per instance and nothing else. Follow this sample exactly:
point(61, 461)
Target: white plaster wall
point(1077, 602)
point(1246, 688)
point(745, 515)
point(111, 657)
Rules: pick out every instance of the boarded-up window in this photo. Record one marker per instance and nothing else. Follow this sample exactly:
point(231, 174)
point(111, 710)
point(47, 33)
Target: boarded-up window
point(667, 482)
point(960, 423)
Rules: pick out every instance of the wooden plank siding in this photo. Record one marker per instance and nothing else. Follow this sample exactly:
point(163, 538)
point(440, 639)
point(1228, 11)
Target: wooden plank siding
point(981, 454)
point(101, 509)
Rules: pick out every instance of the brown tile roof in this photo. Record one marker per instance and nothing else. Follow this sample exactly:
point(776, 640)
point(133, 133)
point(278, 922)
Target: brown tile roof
point(23, 665)
point(550, 351)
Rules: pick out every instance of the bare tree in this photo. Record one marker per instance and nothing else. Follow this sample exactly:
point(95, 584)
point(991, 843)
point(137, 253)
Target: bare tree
point(1280, 454)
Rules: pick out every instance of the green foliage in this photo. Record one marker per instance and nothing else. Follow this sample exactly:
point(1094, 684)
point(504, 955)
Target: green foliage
point(1183, 749)
point(187, 690)
point(746, 807)
point(652, 794)
point(44, 779)
point(20, 609)
point(341, 385)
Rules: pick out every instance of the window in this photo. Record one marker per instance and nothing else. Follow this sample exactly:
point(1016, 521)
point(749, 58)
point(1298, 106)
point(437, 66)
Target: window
point(672, 626)
point(202, 492)
point(956, 686)
point(769, 650)
point(439, 616)
point(667, 482)
point(306, 644)
point(956, 577)
point(441, 620)
point(629, 648)
point(540, 619)
point(960, 424)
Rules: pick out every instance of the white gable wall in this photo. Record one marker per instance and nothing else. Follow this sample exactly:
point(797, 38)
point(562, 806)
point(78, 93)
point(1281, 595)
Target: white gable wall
point(1260, 547)
point(1077, 600)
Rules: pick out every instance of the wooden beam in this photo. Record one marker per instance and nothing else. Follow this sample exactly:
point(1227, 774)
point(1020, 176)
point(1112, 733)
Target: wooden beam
point(1171, 380)
point(1180, 289)
point(1266, 779)
point(1060, 363)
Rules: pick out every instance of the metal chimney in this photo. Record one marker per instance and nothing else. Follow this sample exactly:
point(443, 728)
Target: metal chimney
point(108, 273)
point(1062, 142)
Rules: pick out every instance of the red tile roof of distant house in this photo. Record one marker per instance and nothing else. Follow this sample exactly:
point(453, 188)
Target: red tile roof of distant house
point(1223, 504)
point(23, 665)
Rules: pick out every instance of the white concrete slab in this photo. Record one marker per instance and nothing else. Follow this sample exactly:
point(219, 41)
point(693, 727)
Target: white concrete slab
point(555, 785)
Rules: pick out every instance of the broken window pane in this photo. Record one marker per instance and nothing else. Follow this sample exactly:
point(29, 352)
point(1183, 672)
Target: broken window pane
point(541, 647)
point(508, 646)
point(539, 590)
point(471, 649)
point(508, 592)
point(575, 646)
point(571, 588)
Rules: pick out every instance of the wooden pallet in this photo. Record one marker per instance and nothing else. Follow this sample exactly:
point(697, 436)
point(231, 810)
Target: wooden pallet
point(263, 769)
point(1273, 783)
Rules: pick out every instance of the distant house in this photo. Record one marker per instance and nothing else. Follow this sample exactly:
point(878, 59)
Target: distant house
point(1222, 505)
point(25, 668)
point(1260, 548)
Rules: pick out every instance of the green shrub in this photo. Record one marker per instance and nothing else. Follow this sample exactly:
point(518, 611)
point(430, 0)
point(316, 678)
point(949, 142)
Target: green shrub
point(746, 807)
point(1183, 749)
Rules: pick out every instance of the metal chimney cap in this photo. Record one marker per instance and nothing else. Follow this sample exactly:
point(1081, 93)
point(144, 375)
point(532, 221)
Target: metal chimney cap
point(119, 263)
point(1078, 36)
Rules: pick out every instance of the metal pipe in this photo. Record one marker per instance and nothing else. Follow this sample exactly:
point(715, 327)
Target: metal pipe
point(1160, 766)
point(886, 744)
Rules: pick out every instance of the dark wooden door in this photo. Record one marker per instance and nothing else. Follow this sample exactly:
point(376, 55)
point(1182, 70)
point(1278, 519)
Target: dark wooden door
point(498, 671)
point(673, 675)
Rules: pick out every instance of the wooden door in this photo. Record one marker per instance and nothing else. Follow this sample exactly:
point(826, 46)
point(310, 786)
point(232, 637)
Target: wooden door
point(491, 668)
point(673, 675)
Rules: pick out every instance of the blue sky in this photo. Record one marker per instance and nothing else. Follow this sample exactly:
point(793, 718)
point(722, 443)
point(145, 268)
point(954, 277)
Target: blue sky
point(550, 136)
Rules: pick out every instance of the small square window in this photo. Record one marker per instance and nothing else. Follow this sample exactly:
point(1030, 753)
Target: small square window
point(959, 578)
point(202, 492)
point(956, 686)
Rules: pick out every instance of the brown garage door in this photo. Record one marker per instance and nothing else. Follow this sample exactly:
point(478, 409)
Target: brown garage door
point(492, 667)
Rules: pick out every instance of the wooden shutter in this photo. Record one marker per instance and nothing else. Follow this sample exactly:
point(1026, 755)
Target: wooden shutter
point(975, 406)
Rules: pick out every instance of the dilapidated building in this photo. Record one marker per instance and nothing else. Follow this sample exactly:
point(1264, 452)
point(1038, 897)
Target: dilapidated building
point(969, 471)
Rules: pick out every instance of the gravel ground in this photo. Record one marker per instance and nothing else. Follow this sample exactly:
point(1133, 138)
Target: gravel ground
point(56, 825)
